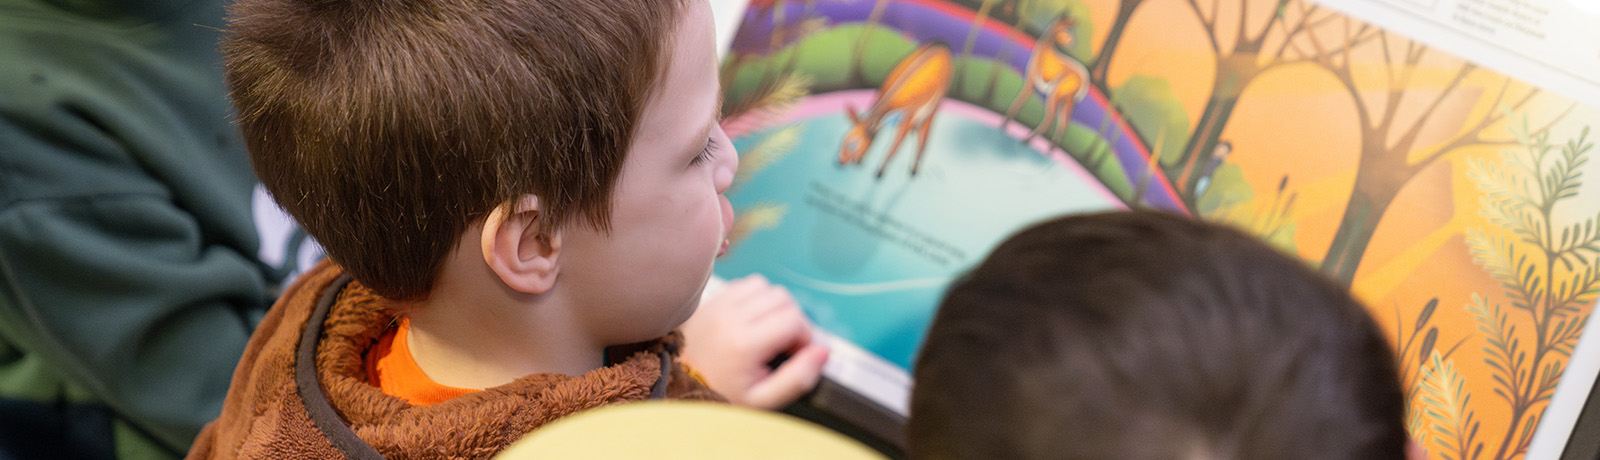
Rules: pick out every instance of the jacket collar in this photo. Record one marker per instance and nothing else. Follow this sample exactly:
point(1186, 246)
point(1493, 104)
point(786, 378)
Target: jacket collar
point(332, 425)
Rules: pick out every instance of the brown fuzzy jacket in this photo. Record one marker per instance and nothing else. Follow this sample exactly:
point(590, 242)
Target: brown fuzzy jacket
point(269, 413)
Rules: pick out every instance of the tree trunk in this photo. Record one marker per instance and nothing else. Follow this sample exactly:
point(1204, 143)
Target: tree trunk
point(1102, 61)
point(1197, 152)
point(856, 75)
point(972, 38)
point(1378, 181)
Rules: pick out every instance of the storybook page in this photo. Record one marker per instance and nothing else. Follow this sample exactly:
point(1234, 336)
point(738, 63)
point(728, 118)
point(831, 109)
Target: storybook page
point(887, 145)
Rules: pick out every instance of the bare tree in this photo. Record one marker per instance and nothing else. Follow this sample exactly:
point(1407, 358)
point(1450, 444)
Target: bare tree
point(1389, 156)
point(1238, 64)
point(1102, 60)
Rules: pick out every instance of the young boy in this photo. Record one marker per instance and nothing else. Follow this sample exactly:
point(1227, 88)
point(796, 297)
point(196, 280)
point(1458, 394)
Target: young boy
point(521, 200)
point(1139, 335)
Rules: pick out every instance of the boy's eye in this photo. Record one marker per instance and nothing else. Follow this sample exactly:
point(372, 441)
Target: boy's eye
point(706, 154)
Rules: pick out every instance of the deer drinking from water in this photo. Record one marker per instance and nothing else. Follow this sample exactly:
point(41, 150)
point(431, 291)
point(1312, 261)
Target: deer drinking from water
point(913, 90)
point(1052, 72)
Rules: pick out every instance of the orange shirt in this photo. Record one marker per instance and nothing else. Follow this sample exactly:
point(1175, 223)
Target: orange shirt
point(391, 368)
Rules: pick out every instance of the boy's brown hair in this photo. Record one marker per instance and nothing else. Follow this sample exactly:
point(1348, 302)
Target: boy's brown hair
point(1140, 335)
point(386, 127)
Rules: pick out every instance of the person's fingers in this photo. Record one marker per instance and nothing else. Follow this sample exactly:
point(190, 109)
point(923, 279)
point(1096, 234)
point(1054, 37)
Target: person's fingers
point(773, 299)
point(789, 381)
point(755, 278)
point(780, 332)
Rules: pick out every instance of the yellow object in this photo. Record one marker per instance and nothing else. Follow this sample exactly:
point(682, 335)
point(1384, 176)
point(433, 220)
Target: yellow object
point(669, 430)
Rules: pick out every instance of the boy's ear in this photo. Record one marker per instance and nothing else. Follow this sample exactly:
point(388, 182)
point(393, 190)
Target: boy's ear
point(1415, 451)
point(517, 250)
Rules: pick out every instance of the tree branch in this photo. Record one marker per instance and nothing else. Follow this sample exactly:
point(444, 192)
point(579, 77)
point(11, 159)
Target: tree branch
point(1388, 61)
point(1411, 132)
point(1316, 46)
point(1279, 15)
point(1211, 33)
point(1244, 20)
point(1474, 136)
point(1350, 38)
point(1553, 121)
point(1328, 18)
point(1345, 76)
point(1288, 32)
point(1216, 15)
point(1366, 36)
point(1397, 83)
point(1414, 53)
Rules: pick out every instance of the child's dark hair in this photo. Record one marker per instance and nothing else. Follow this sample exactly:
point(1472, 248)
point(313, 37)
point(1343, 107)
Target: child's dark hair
point(1141, 335)
point(387, 127)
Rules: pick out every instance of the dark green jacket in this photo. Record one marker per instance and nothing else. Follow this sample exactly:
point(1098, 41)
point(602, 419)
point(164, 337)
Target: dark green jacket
point(129, 259)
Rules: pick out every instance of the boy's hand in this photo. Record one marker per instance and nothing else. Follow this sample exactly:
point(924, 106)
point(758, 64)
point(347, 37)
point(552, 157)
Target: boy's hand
point(740, 329)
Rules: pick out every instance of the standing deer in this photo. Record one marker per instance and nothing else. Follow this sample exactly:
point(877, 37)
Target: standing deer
point(1051, 71)
point(914, 90)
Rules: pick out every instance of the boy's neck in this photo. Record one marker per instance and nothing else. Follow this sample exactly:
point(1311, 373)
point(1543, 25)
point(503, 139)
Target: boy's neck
point(470, 336)
point(484, 354)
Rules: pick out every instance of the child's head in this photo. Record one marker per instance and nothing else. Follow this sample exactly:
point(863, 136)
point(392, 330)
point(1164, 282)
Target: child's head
point(570, 134)
point(1139, 335)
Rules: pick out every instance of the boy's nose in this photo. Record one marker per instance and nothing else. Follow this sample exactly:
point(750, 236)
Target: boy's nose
point(727, 161)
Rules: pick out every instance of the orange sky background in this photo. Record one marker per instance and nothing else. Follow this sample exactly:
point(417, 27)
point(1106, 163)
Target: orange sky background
point(1299, 121)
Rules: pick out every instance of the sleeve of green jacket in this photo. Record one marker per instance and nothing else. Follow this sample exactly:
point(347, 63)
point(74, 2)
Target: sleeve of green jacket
point(129, 275)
